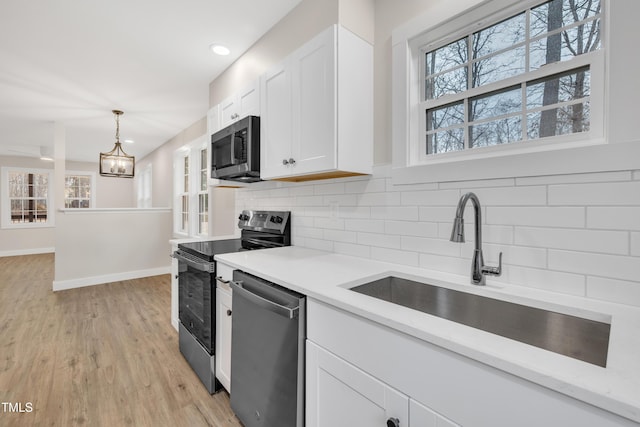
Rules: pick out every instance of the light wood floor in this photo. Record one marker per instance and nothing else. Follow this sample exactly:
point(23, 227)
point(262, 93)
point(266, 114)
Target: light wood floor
point(104, 355)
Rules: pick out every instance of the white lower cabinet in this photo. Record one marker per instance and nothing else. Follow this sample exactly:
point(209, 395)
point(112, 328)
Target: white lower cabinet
point(341, 395)
point(223, 325)
point(363, 374)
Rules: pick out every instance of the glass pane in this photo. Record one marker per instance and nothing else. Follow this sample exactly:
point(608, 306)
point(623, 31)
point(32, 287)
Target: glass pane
point(565, 45)
point(502, 131)
point(559, 13)
point(203, 180)
point(496, 104)
point(454, 81)
point(559, 121)
point(559, 88)
point(499, 67)
point(446, 116)
point(499, 36)
point(445, 141)
point(447, 57)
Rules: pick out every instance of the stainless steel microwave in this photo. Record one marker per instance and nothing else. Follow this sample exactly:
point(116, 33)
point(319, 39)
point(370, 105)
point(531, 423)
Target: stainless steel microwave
point(235, 151)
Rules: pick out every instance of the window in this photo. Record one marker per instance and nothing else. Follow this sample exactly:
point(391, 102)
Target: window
point(78, 190)
point(144, 187)
point(203, 194)
point(26, 198)
point(504, 76)
point(191, 203)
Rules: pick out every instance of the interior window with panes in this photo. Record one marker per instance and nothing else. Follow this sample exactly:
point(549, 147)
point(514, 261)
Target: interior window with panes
point(524, 78)
point(26, 197)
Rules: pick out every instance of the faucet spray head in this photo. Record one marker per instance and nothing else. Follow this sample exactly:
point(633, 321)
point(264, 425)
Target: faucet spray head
point(457, 233)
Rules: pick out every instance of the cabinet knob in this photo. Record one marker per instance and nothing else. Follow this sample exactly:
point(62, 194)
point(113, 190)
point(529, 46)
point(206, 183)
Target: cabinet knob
point(292, 161)
point(285, 162)
point(393, 422)
point(228, 312)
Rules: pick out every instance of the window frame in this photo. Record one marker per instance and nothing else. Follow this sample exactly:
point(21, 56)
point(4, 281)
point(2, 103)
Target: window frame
point(445, 23)
point(92, 186)
point(6, 204)
point(197, 187)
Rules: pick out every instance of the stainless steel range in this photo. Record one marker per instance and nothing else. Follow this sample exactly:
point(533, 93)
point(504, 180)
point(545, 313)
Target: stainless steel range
point(197, 284)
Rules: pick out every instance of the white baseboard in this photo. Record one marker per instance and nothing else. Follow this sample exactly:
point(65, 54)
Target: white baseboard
point(60, 285)
point(33, 251)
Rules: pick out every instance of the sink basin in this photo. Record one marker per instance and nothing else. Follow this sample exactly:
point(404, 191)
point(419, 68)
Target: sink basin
point(576, 337)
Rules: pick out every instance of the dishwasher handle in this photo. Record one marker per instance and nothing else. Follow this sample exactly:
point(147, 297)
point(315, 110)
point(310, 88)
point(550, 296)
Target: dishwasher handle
point(289, 313)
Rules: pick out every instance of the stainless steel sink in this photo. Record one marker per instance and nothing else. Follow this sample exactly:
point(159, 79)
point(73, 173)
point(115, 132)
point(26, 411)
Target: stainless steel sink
point(576, 337)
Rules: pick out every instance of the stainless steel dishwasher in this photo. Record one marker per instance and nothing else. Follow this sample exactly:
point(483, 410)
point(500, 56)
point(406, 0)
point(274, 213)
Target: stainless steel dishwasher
point(267, 353)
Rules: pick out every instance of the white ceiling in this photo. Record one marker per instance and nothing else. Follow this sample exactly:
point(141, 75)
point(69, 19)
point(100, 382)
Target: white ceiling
point(73, 61)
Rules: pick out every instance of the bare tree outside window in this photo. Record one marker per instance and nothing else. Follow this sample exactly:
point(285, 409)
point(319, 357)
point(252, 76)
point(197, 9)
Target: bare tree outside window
point(558, 104)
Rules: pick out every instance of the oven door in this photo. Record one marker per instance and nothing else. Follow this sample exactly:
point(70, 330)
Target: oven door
point(196, 298)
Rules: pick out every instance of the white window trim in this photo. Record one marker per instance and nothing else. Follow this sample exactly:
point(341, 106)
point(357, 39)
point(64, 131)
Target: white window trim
point(539, 157)
point(5, 215)
point(144, 187)
point(192, 150)
point(92, 176)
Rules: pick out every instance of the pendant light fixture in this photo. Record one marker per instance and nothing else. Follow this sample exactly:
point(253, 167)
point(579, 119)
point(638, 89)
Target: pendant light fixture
point(116, 162)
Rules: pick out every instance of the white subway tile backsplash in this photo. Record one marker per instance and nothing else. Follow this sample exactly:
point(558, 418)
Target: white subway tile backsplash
point(340, 236)
point(431, 198)
point(516, 255)
point(380, 240)
point(512, 196)
point(447, 264)
point(481, 183)
point(430, 246)
point(331, 223)
point(440, 214)
point(576, 234)
point(614, 218)
point(395, 256)
point(609, 194)
point(571, 217)
point(612, 242)
point(375, 185)
point(401, 213)
point(554, 281)
point(635, 244)
point(620, 291)
point(579, 178)
point(411, 228)
point(340, 200)
point(333, 188)
point(366, 225)
point(379, 199)
point(612, 266)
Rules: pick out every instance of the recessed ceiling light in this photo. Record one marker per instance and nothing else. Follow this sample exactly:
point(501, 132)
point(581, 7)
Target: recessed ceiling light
point(219, 49)
point(129, 141)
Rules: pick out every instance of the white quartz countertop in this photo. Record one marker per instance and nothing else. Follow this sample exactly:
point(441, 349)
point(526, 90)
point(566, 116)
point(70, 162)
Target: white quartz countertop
point(327, 277)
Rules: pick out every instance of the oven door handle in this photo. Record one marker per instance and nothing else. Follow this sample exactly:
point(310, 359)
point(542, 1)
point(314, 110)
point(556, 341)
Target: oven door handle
point(289, 313)
point(264, 243)
point(200, 266)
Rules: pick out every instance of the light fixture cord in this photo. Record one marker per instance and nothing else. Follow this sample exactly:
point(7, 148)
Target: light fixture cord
point(117, 128)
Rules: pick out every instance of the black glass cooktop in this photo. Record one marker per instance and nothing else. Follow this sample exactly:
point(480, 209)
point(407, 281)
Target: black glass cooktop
point(209, 248)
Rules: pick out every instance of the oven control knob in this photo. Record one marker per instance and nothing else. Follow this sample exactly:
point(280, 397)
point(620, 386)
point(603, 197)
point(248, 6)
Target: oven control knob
point(393, 422)
point(276, 219)
point(243, 217)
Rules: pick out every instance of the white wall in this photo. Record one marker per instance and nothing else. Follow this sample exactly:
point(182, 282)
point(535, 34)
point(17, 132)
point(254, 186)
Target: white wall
point(101, 246)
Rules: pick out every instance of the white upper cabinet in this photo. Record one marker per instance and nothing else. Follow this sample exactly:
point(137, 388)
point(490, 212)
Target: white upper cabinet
point(244, 103)
point(317, 110)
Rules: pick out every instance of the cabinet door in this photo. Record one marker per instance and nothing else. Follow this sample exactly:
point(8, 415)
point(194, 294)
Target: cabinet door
point(420, 415)
point(275, 122)
point(228, 111)
point(341, 395)
point(314, 105)
point(249, 100)
point(223, 337)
